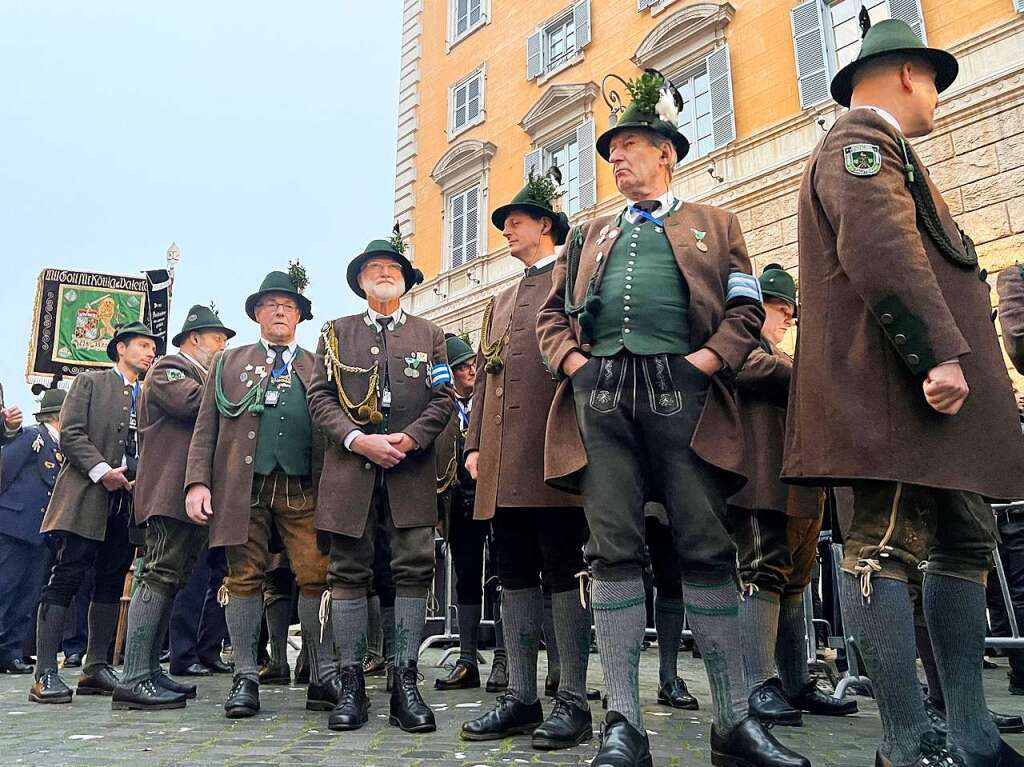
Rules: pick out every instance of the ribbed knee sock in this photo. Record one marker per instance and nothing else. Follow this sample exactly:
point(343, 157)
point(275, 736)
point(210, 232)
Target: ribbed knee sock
point(349, 619)
point(410, 617)
point(318, 639)
point(572, 629)
point(791, 645)
point(49, 630)
point(243, 616)
point(759, 626)
point(279, 618)
point(668, 623)
point(145, 614)
point(522, 610)
point(102, 627)
point(620, 615)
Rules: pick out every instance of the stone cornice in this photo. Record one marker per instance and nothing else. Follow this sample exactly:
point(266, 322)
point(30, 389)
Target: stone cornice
point(559, 106)
point(467, 157)
point(681, 37)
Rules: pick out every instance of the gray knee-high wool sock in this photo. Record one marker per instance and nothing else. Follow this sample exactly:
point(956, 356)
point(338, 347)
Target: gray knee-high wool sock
point(279, 617)
point(884, 630)
point(319, 640)
point(620, 615)
point(145, 614)
point(925, 652)
point(156, 648)
point(713, 612)
point(522, 610)
point(102, 627)
point(469, 629)
point(668, 623)
point(49, 630)
point(410, 617)
point(791, 645)
point(348, 620)
point(572, 630)
point(243, 616)
point(955, 611)
point(387, 625)
point(759, 626)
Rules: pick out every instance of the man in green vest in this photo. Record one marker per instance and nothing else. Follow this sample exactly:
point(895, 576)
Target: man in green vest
point(251, 476)
point(653, 311)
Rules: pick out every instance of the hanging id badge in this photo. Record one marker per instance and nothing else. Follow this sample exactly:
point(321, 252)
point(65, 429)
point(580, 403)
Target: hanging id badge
point(271, 397)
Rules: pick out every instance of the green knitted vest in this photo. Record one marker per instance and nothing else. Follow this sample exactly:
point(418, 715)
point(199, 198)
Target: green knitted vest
point(285, 433)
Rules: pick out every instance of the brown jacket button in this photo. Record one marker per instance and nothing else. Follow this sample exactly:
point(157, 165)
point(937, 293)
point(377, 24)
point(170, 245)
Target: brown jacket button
point(497, 418)
point(252, 435)
point(248, 459)
point(498, 392)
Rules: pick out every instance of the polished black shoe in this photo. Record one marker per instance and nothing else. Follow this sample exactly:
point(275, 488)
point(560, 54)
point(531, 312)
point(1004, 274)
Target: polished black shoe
point(98, 680)
point(352, 709)
point(147, 695)
point(374, 665)
point(750, 744)
point(508, 717)
point(933, 754)
point(497, 680)
point(15, 666)
point(49, 688)
point(323, 696)
point(243, 700)
point(408, 710)
point(814, 700)
point(74, 660)
point(1004, 757)
point(218, 667)
point(1007, 723)
point(769, 706)
point(196, 669)
point(464, 676)
point(276, 674)
point(622, 744)
point(567, 725)
point(551, 682)
point(674, 693)
point(162, 680)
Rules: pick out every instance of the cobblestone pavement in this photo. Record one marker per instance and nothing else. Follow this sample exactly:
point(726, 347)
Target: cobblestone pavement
point(87, 732)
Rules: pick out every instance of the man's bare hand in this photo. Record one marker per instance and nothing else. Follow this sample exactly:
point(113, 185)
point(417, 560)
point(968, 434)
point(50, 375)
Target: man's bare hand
point(472, 460)
point(381, 449)
point(115, 480)
point(198, 504)
point(574, 362)
point(406, 444)
point(706, 361)
point(945, 388)
point(12, 417)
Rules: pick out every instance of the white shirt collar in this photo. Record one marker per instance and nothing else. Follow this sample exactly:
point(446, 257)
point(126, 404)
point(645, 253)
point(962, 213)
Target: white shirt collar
point(194, 361)
point(667, 200)
point(397, 317)
point(541, 263)
point(288, 355)
point(884, 115)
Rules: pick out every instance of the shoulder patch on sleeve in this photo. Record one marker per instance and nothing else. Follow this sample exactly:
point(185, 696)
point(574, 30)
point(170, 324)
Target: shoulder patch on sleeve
point(862, 159)
point(175, 375)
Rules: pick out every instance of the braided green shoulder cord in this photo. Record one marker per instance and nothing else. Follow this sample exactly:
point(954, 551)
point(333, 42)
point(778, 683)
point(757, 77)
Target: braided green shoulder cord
point(250, 400)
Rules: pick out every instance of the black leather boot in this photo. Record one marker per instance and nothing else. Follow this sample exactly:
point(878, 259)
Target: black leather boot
point(323, 696)
point(98, 680)
point(749, 744)
point(567, 725)
point(497, 681)
point(1007, 723)
point(49, 688)
point(769, 705)
point(674, 693)
point(244, 699)
point(813, 700)
point(147, 695)
point(463, 676)
point(622, 744)
point(162, 680)
point(408, 711)
point(276, 673)
point(508, 717)
point(933, 754)
point(352, 710)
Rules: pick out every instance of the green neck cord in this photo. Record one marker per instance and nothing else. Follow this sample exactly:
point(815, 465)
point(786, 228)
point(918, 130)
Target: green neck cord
point(250, 400)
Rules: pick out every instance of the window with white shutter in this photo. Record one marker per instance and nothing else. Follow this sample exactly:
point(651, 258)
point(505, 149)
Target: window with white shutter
point(575, 158)
point(464, 227)
point(643, 5)
point(558, 42)
point(587, 159)
point(465, 17)
point(813, 71)
point(466, 103)
point(534, 161)
point(910, 12)
point(723, 118)
point(1018, 6)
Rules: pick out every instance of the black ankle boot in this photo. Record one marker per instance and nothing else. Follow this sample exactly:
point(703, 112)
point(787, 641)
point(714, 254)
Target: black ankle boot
point(98, 680)
point(769, 705)
point(463, 676)
point(147, 695)
point(244, 699)
point(622, 744)
point(508, 717)
point(674, 693)
point(49, 688)
point(567, 725)
point(408, 711)
point(749, 744)
point(352, 709)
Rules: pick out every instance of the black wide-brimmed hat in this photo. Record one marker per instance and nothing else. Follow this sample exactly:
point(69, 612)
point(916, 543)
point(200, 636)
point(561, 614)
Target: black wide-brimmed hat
point(885, 39)
point(201, 318)
point(538, 198)
point(280, 282)
point(393, 249)
point(127, 333)
point(655, 107)
point(50, 403)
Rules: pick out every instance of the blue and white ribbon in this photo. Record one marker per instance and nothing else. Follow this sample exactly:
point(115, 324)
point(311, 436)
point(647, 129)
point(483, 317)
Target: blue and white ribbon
point(742, 287)
point(440, 374)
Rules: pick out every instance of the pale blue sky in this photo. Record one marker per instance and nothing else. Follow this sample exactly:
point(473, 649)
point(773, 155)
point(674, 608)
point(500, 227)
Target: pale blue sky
point(250, 133)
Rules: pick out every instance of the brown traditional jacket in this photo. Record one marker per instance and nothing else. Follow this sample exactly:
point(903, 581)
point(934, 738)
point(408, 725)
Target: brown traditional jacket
point(762, 389)
point(346, 489)
point(93, 429)
point(881, 304)
point(730, 332)
point(510, 407)
point(167, 415)
point(1010, 286)
point(223, 450)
